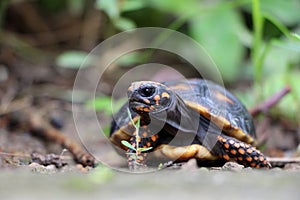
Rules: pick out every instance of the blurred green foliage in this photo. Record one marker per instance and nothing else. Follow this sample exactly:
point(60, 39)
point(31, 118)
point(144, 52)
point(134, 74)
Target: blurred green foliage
point(229, 30)
point(253, 40)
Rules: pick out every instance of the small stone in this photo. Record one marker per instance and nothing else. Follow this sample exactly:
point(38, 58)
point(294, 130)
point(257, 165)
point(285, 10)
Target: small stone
point(51, 168)
point(292, 167)
point(191, 165)
point(34, 165)
point(81, 168)
point(276, 169)
point(232, 166)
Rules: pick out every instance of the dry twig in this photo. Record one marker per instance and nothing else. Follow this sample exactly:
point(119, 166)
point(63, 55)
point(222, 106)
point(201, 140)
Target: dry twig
point(33, 122)
point(270, 102)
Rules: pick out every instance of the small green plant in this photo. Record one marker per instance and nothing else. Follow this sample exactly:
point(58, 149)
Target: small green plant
point(137, 150)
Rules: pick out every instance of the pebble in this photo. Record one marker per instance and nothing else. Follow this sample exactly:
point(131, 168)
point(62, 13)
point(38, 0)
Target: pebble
point(37, 168)
point(233, 166)
point(191, 165)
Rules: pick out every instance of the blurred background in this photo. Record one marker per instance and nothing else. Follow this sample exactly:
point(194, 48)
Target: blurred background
point(255, 45)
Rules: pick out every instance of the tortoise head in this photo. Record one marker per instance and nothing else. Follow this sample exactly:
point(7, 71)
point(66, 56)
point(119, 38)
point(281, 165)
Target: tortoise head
point(148, 96)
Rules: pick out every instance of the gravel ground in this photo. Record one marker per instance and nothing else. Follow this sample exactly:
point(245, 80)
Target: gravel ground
point(166, 184)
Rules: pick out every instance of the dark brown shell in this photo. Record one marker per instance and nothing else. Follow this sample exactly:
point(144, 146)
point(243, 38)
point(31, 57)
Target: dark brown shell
point(212, 101)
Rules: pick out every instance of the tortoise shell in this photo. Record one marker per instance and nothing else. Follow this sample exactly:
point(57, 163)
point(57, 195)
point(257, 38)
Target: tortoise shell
point(187, 119)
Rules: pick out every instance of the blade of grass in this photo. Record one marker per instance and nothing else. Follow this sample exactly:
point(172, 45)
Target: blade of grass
point(127, 144)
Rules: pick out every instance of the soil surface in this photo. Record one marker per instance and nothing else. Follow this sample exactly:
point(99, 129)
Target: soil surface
point(166, 184)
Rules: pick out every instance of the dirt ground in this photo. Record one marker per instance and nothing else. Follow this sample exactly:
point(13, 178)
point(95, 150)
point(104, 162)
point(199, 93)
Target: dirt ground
point(166, 184)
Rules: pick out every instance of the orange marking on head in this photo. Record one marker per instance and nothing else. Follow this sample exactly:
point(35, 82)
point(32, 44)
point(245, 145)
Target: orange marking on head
point(153, 138)
point(141, 108)
point(146, 109)
point(222, 97)
point(146, 101)
point(157, 98)
point(233, 152)
point(130, 89)
point(165, 95)
point(144, 134)
point(148, 144)
point(226, 157)
point(241, 151)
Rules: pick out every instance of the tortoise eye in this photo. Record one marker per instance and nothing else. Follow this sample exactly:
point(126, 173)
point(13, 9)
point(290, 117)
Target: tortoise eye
point(147, 91)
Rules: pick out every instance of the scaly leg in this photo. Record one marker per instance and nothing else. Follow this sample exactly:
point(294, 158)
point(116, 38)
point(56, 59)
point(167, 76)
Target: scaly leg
point(241, 152)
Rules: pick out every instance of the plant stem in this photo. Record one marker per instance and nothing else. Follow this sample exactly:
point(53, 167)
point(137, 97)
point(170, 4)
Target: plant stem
point(258, 22)
point(3, 7)
point(137, 137)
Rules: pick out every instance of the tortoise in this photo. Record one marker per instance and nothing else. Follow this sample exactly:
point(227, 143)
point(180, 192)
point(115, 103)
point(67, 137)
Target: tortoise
point(184, 119)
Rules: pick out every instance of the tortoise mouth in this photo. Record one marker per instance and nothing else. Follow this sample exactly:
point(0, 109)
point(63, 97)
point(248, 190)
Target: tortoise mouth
point(138, 106)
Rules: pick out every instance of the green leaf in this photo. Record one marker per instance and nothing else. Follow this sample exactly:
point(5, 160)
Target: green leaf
point(100, 104)
point(285, 11)
point(218, 31)
point(289, 106)
point(123, 24)
point(175, 6)
point(105, 104)
point(132, 5)
point(72, 59)
point(127, 144)
point(144, 149)
point(110, 7)
point(76, 7)
point(100, 175)
point(282, 55)
point(130, 59)
point(137, 125)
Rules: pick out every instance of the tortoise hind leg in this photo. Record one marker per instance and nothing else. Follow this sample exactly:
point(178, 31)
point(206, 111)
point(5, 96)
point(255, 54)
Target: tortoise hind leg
point(242, 153)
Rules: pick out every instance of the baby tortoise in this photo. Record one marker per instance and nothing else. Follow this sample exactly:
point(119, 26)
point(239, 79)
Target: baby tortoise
point(187, 119)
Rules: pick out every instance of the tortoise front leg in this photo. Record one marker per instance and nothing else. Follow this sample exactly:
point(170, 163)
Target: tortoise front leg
point(184, 153)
